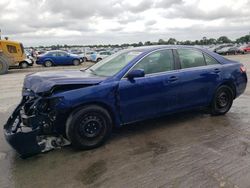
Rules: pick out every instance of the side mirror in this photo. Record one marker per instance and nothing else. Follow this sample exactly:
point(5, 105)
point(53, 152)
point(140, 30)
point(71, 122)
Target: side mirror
point(136, 73)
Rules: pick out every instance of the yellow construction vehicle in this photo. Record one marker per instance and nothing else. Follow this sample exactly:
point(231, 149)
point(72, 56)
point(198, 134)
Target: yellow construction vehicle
point(11, 54)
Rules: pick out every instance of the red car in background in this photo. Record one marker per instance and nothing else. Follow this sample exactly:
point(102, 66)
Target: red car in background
point(246, 48)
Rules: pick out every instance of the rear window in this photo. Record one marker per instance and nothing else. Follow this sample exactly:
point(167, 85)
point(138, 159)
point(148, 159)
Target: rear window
point(210, 60)
point(11, 49)
point(191, 58)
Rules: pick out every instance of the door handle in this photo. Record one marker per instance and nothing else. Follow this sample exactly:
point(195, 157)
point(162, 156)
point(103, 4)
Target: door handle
point(217, 71)
point(172, 79)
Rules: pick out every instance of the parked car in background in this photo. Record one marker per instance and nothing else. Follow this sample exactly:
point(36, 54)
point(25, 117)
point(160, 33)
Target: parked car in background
point(246, 48)
point(30, 60)
point(74, 51)
point(26, 63)
point(86, 56)
point(235, 50)
point(98, 56)
point(57, 57)
point(219, 47)
point(230, 50)
point(82, 107)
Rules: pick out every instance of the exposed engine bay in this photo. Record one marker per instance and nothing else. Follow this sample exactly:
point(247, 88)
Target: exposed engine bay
point(31, 128)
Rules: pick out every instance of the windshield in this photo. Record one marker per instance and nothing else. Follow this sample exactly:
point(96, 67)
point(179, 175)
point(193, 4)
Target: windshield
point(114, 63)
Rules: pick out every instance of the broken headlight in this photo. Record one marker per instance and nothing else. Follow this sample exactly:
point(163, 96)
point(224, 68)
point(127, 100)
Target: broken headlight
point(48, 104)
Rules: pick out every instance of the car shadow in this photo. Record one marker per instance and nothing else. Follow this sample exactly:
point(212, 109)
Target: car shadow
point(168, 121)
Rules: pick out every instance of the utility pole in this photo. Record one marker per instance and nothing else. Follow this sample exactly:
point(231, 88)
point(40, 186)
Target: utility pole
point(0, 34)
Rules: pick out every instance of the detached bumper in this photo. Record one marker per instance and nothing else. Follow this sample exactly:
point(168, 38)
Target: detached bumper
point(23, 141)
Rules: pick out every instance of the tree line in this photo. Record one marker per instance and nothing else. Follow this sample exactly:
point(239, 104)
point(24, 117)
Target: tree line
point(170, 41)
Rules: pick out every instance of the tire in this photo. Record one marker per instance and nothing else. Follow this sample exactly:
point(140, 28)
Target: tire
point(23, 65)
point(48, 63)
point(84, 59)
point(88, 127)
point(222, 100)
point(76, 62)
point(98, 59)
point(4, 65)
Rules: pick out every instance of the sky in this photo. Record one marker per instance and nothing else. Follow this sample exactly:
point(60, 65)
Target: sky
point(87, 22)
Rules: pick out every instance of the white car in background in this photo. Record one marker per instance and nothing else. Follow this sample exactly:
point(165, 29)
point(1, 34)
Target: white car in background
point(86, 56)
point(98, 56)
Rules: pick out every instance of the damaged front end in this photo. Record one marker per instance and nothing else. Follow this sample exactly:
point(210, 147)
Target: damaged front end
point(31, 127)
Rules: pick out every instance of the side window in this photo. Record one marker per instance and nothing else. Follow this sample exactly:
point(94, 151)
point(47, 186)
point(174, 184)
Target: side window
point(210, 60)
point(62, 54)
point(160, 61)
point(53, 54)
point(11, 49)
point(190, 58)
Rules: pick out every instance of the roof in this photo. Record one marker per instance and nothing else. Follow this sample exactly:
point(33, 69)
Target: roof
point(9, 41)
point(147, 49)
point(156, 47)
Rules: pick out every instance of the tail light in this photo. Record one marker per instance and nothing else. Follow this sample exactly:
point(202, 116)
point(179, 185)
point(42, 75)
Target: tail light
point(243, 69)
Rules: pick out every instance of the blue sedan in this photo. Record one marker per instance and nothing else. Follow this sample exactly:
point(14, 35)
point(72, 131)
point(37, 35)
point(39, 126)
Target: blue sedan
point(57, 57)
point(81, 107)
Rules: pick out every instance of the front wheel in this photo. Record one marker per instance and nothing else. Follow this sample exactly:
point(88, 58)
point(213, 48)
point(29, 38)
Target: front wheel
point(89, 127)
point(98, 59)
point(48, 63)
point(23, 65)
point(222, 101)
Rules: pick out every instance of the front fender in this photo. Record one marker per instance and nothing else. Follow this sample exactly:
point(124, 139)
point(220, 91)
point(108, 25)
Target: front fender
point(104, 94)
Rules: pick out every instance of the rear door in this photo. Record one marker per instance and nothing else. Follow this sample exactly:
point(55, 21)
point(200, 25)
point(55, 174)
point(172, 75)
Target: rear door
point(198, 79)
point(154, 94)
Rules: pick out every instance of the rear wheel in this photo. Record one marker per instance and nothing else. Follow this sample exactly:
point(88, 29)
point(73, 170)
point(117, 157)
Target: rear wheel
point(222, 101)
point(76, 62)
point(48, 64)
point(4, 65)
point(89, 127)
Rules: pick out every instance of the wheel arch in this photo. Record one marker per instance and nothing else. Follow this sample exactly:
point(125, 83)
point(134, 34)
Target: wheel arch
point(49, 59)
point(229, 84)
point(24, 61)
point(78, 59)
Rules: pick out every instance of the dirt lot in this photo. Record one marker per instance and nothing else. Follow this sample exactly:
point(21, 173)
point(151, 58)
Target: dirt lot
point(190, 149)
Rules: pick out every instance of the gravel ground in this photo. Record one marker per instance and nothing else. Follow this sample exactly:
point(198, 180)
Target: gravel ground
point(191, 149)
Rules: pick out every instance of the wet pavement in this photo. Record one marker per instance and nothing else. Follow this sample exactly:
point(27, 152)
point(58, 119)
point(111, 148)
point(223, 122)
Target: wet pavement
point(191, 149)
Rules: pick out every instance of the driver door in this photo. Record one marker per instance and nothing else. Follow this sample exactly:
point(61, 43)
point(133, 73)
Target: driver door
point(154, 94)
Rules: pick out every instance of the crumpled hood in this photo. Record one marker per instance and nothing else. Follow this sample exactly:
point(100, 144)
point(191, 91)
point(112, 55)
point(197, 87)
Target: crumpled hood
point(44, 81)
